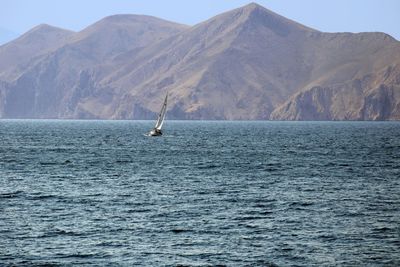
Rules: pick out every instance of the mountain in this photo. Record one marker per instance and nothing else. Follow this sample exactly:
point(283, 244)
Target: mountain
point(38, 41)
point(203, 68)
point(248, 63)
point(56, 76)
point(361, 83)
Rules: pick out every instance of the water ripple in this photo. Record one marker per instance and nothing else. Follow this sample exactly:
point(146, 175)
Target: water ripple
point(99, 193)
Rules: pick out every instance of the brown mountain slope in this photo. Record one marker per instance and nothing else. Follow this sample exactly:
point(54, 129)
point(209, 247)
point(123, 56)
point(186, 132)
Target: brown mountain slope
point(203, 69)
point(374, 96)
point(249, 63)
point(243, 64)
point(362, 70)
point(117, 34)
point(38, 41)
point(53, 83)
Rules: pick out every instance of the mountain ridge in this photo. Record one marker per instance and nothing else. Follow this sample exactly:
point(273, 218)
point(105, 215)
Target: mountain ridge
point(247, 63)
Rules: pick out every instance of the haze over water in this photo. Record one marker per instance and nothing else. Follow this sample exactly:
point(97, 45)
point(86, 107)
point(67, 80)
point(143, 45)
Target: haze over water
point(206, 193)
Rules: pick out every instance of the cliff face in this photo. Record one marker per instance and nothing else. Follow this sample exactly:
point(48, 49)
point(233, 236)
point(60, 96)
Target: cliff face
point(249, 63)
point(374, 97)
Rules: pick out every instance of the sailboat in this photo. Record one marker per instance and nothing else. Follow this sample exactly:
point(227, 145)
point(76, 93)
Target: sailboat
point(156, 131)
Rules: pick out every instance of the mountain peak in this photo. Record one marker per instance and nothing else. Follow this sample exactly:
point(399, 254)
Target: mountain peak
point(269, 18)
point(118, 18)
point(44, 33)
point(44, 28)
point(129, 19)
point(253, 16)
point(252, 5)
point(37, 41)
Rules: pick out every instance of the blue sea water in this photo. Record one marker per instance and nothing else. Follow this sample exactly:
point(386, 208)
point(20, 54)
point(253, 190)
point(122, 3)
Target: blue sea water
point(100, 193)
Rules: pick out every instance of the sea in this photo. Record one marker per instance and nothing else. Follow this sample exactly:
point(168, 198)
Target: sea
point(206, 193)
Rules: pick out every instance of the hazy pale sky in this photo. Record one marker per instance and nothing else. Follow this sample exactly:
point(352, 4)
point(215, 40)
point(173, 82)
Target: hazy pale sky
point(19, 16)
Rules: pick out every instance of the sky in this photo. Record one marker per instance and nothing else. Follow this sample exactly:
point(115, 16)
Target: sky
point(18, 16)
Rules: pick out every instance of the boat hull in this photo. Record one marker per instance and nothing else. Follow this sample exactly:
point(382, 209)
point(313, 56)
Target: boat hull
point(155, 133)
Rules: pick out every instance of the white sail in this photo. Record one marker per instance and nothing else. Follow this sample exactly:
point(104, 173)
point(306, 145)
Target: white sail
point(161, 116)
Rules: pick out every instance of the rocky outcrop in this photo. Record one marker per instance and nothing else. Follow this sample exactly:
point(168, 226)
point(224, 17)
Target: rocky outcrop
point(375, 97)
point(381, 104)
